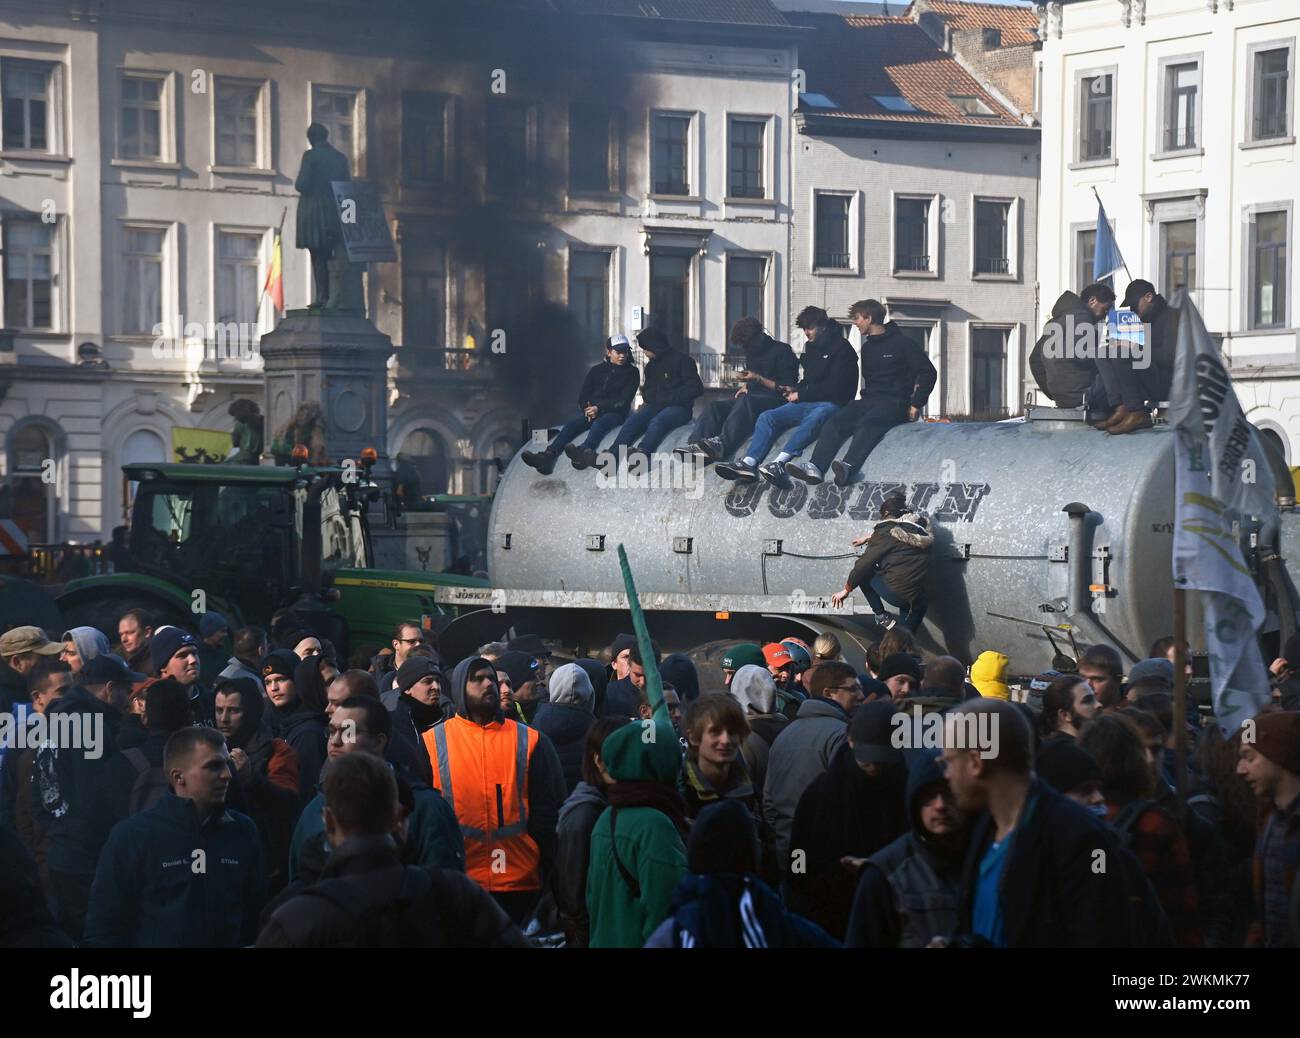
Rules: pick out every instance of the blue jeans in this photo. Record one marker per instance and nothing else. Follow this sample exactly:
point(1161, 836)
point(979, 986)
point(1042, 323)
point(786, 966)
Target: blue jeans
point(910, 614)
point(576, 426)
point(655, 423)
point(808, 417)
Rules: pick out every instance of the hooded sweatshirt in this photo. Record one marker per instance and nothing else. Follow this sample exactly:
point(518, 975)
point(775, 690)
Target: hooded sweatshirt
point(566, 718)
point(755, 690)
point(989, 675)
point(1064, 379)
point(907, 892)
point(598, 674)
point(90, 642)
point(899, 550)
point(896, 373)
point(679, 670)
point(772, 359)
point(671, 378)
point(578, 817)
point(830, 369)
point(649, 845)
point(610, 387)
point(303, 728)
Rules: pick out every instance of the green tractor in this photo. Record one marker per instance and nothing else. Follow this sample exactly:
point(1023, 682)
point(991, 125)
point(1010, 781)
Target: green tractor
point(247, 540)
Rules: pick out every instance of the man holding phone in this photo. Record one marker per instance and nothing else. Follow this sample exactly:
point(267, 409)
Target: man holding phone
point(726, 424)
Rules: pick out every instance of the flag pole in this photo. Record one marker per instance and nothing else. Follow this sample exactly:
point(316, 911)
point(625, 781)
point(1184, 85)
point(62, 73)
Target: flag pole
point(1180, 699)
point(654, 686)
point(1102, 206)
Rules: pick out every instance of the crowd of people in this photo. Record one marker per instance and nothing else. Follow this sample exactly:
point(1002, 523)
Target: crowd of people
point(253, 789)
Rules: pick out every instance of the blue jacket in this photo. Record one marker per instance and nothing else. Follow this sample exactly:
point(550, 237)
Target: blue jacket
point(154, 889)
point(567, 728)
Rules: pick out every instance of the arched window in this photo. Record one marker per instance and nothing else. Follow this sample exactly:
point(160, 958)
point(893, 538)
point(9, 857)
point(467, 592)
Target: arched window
point(143, 445)
point(502, 450)
point(427, 451)
point(33, 476)
point(1274, 440)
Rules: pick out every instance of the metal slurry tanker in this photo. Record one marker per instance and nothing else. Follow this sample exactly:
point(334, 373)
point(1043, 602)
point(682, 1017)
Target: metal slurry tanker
point(1049, 536)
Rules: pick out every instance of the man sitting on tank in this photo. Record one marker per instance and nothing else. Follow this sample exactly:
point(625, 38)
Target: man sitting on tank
point(603, 402)
point(897, 378)
point(1064, 359)
point(726, 424)
point(1131, 381)
point(895, 565)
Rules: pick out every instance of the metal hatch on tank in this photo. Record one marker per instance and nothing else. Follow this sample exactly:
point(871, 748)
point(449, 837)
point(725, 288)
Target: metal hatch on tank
point(1041, 522)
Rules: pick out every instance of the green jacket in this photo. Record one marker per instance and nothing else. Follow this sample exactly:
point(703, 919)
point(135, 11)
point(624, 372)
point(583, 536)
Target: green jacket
point(648, 842)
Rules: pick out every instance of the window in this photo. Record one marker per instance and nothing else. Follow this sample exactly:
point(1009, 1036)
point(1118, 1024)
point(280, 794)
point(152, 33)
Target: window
point(832, 243)
point(992, 223)
point(589, 148)
point(27, 90)
point(239, 123)
point(424, 136)
point(589, 292)
point(29, 274)
point(424, 291)
point(991, 38)
point(1271, 88)
point(670, 154)
point(893, 103)
point(336, 110)
point(427, 451)
point(1268, 270)
point(1085, 251)
point(1096, 116)
point(238, 286)
point(745, 276)
point(988, 371)
point(745, 166)
point(1182, 88)
point(142, 280)
point(35, 502)
point(141, 118)
point(1178, 247)
point(670, 282)
point(511, 285)
point(507, 146)
point(912, 234)
point(970, 105)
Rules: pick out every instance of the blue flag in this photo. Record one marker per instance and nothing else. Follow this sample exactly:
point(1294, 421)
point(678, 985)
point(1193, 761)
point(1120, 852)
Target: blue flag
point(1106, 259)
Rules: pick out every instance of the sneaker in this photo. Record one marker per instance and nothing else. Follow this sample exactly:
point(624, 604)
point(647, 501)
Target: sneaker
point(737, 470)
point(774, 473)
point(582, 457)
point(688, 450)
point(843, 474)
point(542, 461)
point(638, 456)
point(804, 470)
point(887, 622)
point(711, 448)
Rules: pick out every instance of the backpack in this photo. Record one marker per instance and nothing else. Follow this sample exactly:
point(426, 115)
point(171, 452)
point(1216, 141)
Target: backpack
point(1122, 823)
point(150, 785)
point(396, 909)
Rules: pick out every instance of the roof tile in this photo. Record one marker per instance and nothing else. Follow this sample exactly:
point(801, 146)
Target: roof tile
point(1018, 24)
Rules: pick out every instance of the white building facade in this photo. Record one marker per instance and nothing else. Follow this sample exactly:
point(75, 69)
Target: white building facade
point(1181, 115)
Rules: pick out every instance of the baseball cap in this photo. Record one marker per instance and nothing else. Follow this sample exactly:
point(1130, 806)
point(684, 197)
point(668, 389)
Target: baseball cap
point(519, 666)
point(105, 668)
point(618, 342)
point(27, 639)
point(1135, 291)
point(871, 729)
point(1155, 669)
point(743, 655)
point(776, 654)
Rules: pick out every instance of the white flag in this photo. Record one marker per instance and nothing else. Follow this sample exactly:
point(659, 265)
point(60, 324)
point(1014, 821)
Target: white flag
point(1222, 476)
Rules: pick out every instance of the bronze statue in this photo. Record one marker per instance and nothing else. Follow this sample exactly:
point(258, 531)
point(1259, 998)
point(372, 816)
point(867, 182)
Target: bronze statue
point(318, 216)
point(247, 437)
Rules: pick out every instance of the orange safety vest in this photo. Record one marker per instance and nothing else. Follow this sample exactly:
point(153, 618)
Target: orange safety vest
point(482, 773)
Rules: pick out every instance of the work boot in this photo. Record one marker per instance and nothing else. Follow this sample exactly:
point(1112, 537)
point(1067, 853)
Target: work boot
point(774, 473)
point(737, 470)
point(1116, 416)
point(581, 457)
point(1136, 420)
point(843, 474)
point(804, 470)
point(542, 461)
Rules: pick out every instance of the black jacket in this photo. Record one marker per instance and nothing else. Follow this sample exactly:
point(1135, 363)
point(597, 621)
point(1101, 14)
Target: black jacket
point(900, 550)
point(305, 730)
point(566, 726)
point(406, 747)
point(609, 387)
point(895, 372)
point(1052, 894)
point(1163, 320)
point(578, 817)
point(621, 699)
point(843, 812)
point(367, 898)
point(1065, 379)
point(830, 369)
point(150, 893)
point(671, 378)
point(772, 359)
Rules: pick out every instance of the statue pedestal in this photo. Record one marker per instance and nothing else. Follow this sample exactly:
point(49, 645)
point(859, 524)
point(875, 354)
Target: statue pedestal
point(422, 541)
point(339, 360)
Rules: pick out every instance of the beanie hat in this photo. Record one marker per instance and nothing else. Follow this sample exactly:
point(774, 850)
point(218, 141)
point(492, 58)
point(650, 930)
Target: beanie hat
point(166, 643)
point(989, 674)
point(415, 668)
point(742, 655)
point(1277, 737)
point(211, 623)
point(623, 641)
point(1155, 670)
point(1065, 765)
point(723, 840)
point(874, 687)
point(521, 668)
point(281, 662)
point(899, 663)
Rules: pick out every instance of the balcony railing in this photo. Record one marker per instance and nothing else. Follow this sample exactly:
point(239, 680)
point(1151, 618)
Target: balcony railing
point(905, 262)
point(717, 370)
point(833, 260)
point(1270, 125)
point(1179, 137)
point(992, 265)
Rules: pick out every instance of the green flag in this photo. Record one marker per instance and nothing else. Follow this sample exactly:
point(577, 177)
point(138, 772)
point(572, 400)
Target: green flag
point(654, 686)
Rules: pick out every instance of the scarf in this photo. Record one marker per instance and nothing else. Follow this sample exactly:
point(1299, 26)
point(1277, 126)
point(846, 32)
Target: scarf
point(423, 715)
point(653, 795)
